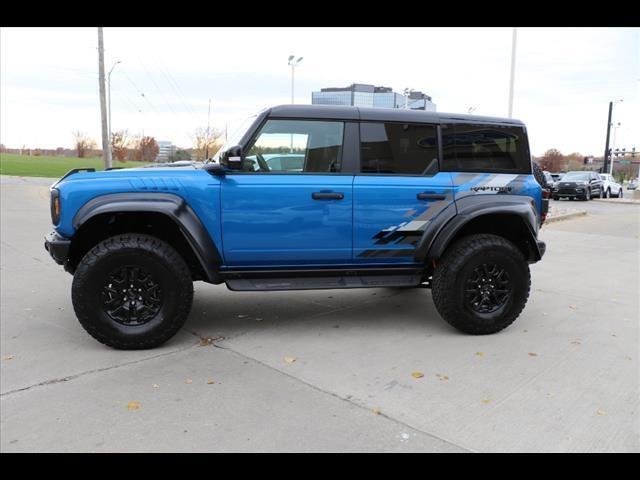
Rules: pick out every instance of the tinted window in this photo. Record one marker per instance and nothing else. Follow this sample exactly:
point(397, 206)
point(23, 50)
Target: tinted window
point(398, 148)
point(485, 148)
point(296, 146)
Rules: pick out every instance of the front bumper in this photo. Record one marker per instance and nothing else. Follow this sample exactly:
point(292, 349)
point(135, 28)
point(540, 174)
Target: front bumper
point(57, 246)
point(569, 192)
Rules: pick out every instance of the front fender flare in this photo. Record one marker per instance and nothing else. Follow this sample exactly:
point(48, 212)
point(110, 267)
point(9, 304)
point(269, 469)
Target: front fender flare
point(173, 206)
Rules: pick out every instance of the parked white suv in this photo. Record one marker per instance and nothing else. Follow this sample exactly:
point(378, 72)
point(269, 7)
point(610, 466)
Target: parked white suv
point(611, 188)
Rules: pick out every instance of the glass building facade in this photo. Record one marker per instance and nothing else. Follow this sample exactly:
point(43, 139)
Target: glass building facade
point(364, 95)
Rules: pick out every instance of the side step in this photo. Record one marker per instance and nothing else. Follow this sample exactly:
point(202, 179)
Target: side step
point(261, 280)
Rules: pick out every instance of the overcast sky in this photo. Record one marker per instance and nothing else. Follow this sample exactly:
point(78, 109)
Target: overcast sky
point(565, 77)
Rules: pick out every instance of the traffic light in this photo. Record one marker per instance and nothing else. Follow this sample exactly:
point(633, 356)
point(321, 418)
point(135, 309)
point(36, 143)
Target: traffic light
point(633, 152)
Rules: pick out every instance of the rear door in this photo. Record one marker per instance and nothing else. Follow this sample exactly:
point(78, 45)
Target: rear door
point(293, 211)
point(398, 192)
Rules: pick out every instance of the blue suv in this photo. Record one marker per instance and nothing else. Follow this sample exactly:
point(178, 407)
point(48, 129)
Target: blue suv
point(308, 197)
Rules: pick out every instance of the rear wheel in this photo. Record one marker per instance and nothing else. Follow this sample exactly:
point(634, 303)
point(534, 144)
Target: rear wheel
point(607, 194)
point(132, 291)
point(620, 193)
point(481, 284)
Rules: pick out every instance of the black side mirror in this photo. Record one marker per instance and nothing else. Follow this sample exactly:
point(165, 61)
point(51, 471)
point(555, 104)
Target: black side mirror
point(231, 158)
point(215, 169)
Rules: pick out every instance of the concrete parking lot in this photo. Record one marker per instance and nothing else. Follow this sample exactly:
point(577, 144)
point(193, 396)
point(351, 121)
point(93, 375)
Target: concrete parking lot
point(564, 377)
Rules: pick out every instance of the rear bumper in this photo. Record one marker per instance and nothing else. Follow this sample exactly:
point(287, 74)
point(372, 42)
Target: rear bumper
point(57, 246)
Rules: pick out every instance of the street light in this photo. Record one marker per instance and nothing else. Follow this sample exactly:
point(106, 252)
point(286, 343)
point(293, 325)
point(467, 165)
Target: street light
point(606, 158)
point(471, 110)
point(613, 145)
point(109, 89)
point(293, 64)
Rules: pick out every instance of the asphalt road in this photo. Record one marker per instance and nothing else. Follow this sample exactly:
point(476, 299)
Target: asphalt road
point(564, 377)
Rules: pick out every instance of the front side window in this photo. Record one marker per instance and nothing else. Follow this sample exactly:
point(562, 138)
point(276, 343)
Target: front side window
point(398, 148)
point(292, 146)
point(485, 148)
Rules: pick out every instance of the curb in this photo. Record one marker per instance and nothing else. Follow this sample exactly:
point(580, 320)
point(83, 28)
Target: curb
point(615, 200)
point(565, 216)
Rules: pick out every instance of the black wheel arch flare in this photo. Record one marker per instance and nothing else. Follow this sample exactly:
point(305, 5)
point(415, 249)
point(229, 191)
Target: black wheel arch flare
point(171, 205)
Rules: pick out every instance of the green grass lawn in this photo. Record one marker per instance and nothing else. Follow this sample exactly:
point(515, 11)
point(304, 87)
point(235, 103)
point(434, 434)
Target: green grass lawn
point(55, 167)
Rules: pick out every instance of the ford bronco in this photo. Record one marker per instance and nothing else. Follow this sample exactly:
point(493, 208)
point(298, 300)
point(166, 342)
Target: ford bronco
point(308, 197)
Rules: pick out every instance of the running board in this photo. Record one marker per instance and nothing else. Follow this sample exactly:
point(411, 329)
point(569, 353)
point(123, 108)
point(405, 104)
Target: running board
point(261, 280)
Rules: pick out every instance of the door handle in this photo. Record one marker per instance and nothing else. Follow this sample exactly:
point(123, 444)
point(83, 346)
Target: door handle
point(327, 195)
point(431, 196)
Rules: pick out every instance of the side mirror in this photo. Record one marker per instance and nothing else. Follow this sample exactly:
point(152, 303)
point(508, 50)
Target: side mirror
point(215, 169)
point(231, 159)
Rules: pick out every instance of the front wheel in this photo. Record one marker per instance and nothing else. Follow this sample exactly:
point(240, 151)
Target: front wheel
point(607, 194)
point(481, 284)
point(132, 291)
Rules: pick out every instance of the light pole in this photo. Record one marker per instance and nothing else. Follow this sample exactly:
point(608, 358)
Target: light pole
point(109, 90)
point(613, 145)
point(607, 158)
point(513, 69)
point(293, 64)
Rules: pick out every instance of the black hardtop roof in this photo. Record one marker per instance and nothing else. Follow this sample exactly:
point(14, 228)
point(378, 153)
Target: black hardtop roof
point(381, 114)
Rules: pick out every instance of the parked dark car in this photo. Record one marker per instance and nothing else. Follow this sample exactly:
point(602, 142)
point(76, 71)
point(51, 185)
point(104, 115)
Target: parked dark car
point(582, 185)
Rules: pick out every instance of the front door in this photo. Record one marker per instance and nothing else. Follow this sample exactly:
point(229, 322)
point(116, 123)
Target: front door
point(290, 206)
point(399, 191)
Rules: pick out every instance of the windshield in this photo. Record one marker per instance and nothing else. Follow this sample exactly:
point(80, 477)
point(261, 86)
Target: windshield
point(576, 176)
point(236, 136)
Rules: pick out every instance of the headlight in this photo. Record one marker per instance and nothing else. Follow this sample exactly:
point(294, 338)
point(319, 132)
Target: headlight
point(55, 206)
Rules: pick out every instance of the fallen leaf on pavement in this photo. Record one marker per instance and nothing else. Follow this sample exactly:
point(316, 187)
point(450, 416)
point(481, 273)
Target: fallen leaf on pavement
point(601, 413)
point(8, 357)
point(290, 359)
point(155, 385)
point(480, 354)
point(376, 411)
point(486, 400)
point(573, 307)
point(417, 374)
point(133, 405)
point(532, 354)
point(442, 377)
point(614, 335)
point(188, 380)
point(627, 358)
point(210, 382)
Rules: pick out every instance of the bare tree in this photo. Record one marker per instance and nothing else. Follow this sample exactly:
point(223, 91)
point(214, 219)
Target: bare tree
point(146, 150)
point(206, 142)
point(120, 145)
point(83, 143)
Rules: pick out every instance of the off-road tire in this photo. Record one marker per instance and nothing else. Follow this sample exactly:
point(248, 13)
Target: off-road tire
point(453, 270)
point(165, 266)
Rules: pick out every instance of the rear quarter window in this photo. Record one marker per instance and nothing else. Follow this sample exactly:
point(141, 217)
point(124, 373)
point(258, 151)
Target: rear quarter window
point(485, 148)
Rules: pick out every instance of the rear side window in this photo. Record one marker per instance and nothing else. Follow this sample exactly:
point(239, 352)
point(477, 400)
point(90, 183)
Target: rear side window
point(485, 148)
point(398, 148)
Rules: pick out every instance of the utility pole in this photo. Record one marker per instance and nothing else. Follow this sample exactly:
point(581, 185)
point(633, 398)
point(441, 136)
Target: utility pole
point(206, 148)
point(109, 97)
point(106, 142)
point(513, 70)
point(605, 168)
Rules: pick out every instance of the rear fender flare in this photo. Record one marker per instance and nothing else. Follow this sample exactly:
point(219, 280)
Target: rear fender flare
point(475, 206)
